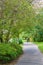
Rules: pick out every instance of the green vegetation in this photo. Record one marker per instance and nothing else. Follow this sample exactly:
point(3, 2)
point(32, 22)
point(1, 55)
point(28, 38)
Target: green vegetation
point(14, 17)
point(20, 41)
point(18, 22)
point(40, 46)
point(9, 51)
point(38, 36)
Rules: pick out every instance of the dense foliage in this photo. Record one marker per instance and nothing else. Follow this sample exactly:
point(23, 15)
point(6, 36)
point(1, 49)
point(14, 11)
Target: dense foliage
point(18, 20)
point(9, 52)
point(39, 27)
point(16, 16)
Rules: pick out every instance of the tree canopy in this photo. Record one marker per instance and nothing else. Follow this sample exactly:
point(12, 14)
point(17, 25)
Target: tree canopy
point(18, 16)
point(15, 16)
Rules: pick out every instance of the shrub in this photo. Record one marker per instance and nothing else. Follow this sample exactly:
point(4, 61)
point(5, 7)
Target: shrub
point(17, 47)
point(9, 52)
point(20, 41)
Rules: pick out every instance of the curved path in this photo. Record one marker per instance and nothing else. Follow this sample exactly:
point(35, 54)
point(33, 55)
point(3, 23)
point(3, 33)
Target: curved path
point(31, 56)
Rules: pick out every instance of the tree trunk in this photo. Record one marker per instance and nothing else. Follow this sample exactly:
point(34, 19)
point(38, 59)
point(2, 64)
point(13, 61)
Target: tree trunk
point(1, 36)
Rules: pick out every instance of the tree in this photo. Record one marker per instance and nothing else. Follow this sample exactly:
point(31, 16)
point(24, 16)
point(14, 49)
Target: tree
point(16, 16)
point(38, 30)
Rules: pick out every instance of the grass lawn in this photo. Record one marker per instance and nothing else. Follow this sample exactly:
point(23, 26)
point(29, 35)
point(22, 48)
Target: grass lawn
point(40, 46)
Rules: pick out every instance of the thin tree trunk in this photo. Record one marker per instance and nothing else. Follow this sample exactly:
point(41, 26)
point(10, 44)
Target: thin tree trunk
point(1, 36)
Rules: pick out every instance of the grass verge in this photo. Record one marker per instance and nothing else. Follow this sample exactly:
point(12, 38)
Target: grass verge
point(40, 45)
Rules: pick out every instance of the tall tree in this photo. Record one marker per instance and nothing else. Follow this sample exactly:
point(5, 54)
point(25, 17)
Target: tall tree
point(16, 16)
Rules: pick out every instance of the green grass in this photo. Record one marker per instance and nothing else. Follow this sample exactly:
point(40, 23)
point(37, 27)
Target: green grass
point(40, 46)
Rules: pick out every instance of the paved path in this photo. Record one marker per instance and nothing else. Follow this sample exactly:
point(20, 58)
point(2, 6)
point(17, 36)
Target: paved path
point(31, 56)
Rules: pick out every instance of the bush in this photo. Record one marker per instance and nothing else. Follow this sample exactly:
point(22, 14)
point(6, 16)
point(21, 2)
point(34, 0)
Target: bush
point(20, 41)
point(9, 52)
point(18, 48)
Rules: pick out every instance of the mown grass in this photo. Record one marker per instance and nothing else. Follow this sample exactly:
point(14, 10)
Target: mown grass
point(40, 46)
